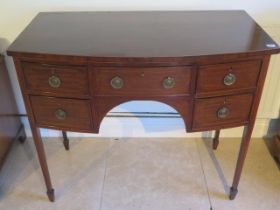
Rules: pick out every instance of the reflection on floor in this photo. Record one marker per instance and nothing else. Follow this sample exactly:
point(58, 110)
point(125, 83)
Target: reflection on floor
point(140, 174)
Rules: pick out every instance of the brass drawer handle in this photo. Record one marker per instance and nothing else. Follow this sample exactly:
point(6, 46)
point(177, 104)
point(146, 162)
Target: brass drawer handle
point(60, 114)
point(223, 112)
point(54, 81)
point(117, 83)
point(168, 82)
point(229, 79)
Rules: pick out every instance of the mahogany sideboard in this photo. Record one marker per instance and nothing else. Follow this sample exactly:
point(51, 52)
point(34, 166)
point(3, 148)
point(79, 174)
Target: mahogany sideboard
point(73, 67)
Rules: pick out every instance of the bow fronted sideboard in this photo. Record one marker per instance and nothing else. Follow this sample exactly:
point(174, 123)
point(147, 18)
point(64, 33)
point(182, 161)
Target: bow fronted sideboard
point(74, 67)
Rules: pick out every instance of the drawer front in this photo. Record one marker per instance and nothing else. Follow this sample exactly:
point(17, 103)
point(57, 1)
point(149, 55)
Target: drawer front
point(142, 81)
point(62, 113)
point(221, 111)
point(56, 80)
point(227, 77)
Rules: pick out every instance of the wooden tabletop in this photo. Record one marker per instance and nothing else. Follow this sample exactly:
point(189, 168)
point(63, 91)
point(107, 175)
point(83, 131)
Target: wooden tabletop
point(143, 34)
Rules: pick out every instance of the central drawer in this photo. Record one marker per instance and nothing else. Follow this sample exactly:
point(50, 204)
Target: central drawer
point(62, 113)
point(142, 81)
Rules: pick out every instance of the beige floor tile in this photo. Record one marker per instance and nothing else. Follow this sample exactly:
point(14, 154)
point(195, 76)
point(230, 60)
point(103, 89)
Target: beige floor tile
point(154, 174)
point(77, 175)
point(150, 174)
point(259, 187)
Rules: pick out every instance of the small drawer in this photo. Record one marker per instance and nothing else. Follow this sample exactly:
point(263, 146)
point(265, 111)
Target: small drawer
point(215, 79)
point(221, 111)
point(55, 80)
point(142, 81)
point(62, 113)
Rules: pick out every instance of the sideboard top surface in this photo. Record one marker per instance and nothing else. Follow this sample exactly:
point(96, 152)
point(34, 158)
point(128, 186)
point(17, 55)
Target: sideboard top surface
point(143, 34)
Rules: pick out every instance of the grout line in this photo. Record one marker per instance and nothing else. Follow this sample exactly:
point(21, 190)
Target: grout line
point(204, 176)
point(105, 175)
point(103, 183)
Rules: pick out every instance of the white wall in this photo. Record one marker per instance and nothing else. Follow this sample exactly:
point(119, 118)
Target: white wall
point(16, 14)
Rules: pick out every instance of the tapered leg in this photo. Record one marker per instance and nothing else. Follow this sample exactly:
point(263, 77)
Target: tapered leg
point(43, 162)
point(249, 129)
point(216, 139)
point(241, 158)
point(65, 140)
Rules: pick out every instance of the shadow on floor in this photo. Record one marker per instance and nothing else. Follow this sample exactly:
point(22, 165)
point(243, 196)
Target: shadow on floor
point(208, 144)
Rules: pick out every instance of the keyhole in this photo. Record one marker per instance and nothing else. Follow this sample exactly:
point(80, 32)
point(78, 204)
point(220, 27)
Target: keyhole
point(225, 100)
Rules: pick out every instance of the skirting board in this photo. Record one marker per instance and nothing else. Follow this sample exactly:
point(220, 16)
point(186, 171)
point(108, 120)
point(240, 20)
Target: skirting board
point(114, 127)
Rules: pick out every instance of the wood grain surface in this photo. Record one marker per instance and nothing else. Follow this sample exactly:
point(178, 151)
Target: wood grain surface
point(143, 34)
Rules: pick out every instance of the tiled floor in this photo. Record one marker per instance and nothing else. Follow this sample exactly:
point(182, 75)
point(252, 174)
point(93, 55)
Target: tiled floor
point(140, 174)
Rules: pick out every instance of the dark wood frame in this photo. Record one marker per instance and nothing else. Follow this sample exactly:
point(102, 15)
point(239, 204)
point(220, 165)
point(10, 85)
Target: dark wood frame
point(111, 102)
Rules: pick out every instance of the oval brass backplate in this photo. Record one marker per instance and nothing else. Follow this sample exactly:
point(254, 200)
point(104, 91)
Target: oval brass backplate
point(223, 112)
point(117, 82)
point(229, 79)
point(60, 114)
point(54, 81)
point(168, 82)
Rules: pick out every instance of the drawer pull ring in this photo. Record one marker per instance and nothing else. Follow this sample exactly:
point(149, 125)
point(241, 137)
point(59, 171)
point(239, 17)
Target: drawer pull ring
point(60, 114)
point(54, 81)
point(229, 79)
point(117, 83)
point(168, 83)
point(223, 112)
